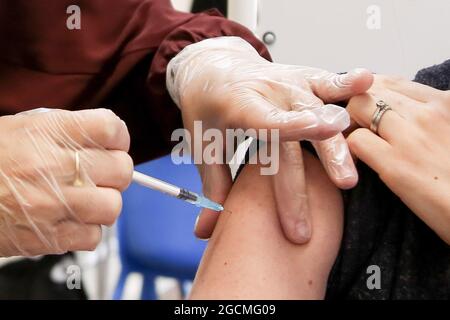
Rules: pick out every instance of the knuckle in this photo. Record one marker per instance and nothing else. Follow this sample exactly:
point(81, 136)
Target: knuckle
point(107, 125)
point(109, 129)
point(101, 114)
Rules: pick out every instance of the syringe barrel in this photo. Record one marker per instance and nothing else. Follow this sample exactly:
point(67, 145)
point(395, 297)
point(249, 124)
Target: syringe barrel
point(156, 184)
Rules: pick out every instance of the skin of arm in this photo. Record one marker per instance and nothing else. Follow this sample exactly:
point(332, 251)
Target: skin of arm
point(248, 257)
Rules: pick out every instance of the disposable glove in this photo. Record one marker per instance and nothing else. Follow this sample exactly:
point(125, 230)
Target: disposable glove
point(225, 83)
point(61, 174)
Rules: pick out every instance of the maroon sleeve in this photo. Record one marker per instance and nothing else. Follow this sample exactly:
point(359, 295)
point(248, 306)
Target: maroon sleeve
point(117, 60)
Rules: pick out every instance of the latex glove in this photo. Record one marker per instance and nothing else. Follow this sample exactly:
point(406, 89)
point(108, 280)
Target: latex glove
point(225, 83)
point(42, 210)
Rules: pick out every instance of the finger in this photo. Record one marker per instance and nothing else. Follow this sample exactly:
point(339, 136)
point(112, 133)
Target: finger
point(370, 148)
point(52, 204)
point(99, 128)
point(406, 107)
point(216, 179)
point(362, 109)
point(64, 237)
point(331, 87)
point(50, 164)
point(308, 124)
point(111, 169)
point(337, 161)
point(333, 152)
point(93, 205)
point(76, 237)
point(103, 168)
point(289, 187)
point(413, 90)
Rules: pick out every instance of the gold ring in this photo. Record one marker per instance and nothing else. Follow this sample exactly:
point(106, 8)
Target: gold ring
point(382, 108)
point(77, 181)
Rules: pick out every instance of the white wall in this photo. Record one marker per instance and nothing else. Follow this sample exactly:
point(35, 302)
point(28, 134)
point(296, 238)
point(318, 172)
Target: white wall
point(333, 33)
point(182, 5)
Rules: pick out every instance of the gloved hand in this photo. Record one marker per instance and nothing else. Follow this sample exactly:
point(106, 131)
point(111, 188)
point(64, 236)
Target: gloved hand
point(225, 83)
point(61, 174)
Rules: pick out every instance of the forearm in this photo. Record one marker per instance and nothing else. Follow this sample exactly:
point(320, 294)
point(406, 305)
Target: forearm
point(248, 256)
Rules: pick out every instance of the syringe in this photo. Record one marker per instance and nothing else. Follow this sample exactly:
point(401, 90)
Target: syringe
point(174, 191)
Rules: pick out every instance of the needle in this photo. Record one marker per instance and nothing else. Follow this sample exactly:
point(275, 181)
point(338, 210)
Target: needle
point(174, 191)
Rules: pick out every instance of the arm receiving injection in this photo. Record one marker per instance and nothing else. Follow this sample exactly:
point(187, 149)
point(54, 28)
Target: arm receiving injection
point(248, 257)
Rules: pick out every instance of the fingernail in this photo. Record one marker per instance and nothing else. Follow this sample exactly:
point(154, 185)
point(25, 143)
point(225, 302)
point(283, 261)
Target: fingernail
point(195, 228)
point(356, 72)
point(349, 77)
point(343, 171)
point(304, 231)
point(196, 222)
point(336, 115)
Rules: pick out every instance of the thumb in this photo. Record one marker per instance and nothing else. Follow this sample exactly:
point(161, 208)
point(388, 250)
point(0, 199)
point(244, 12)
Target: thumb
point(217, 182)
point(332, 87)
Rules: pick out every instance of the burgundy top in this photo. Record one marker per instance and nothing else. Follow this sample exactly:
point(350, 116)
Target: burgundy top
point(117, 60)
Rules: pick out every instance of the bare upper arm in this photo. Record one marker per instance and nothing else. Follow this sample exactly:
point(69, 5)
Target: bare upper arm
point(249, 258)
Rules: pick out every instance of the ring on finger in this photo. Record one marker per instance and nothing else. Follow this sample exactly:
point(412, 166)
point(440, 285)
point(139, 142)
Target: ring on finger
point(382, 108)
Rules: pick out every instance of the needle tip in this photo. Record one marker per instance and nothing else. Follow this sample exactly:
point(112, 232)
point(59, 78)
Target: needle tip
point(206, 203)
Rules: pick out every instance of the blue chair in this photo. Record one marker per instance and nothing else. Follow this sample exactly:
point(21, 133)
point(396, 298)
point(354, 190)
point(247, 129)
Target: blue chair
point(155, 231)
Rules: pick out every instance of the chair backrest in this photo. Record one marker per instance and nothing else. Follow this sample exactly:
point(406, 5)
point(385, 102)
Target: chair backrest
point(156, 231)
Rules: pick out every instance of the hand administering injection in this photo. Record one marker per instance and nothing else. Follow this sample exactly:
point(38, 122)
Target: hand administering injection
point(226, 84)
point(61, 174)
